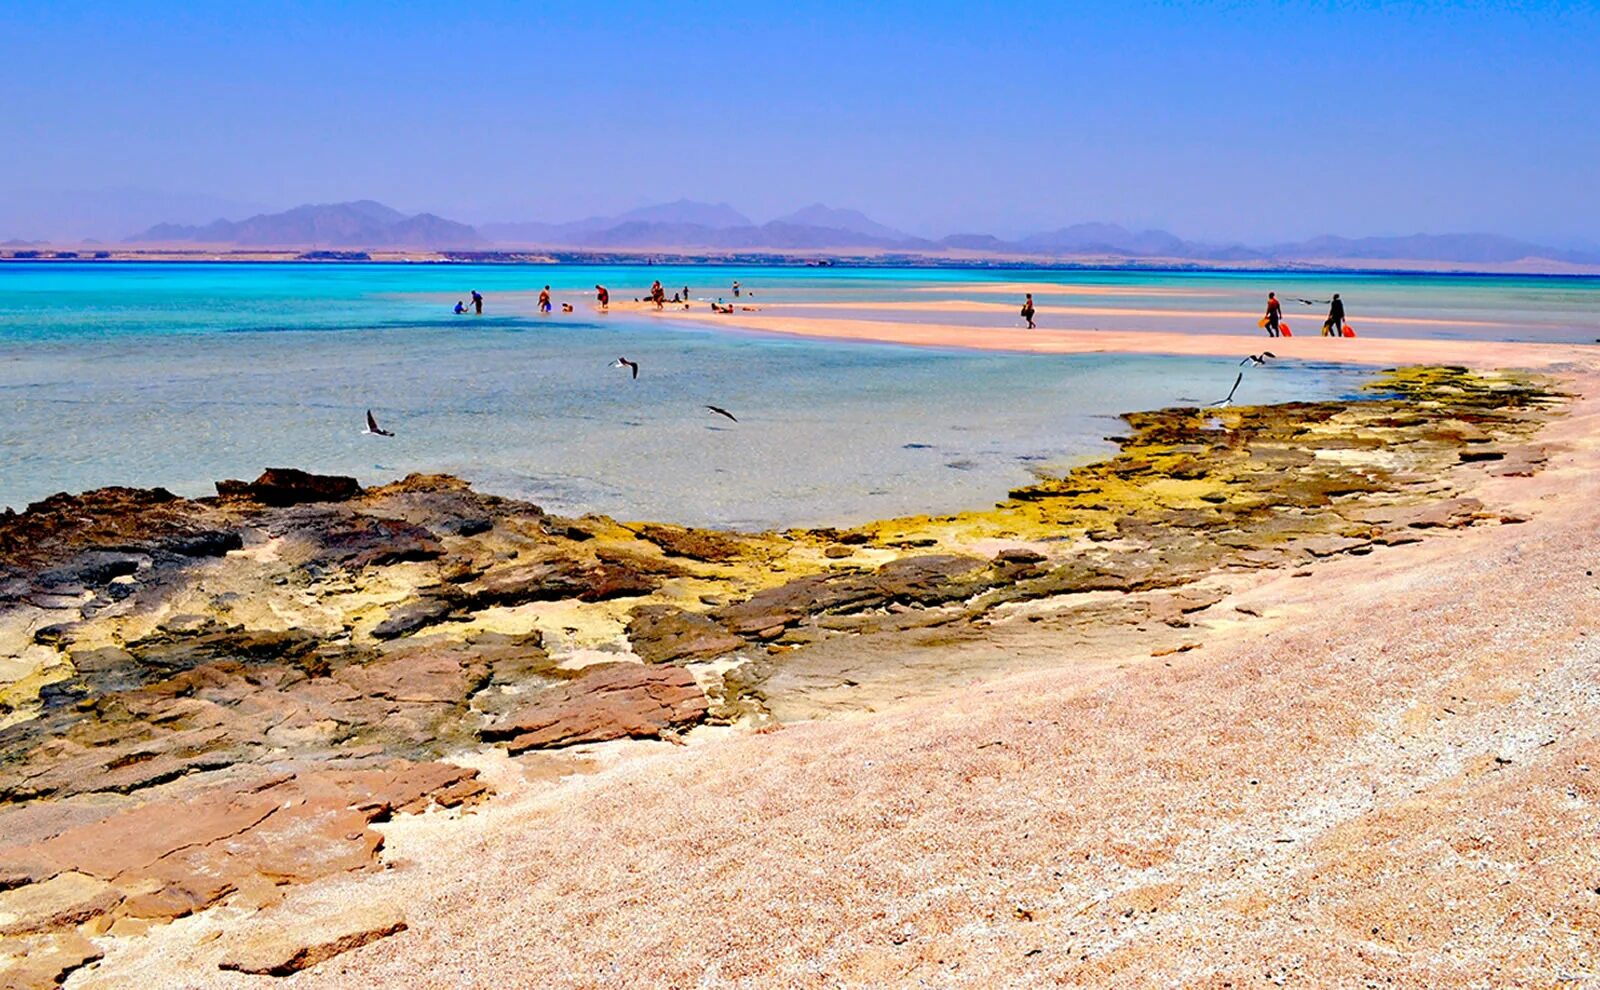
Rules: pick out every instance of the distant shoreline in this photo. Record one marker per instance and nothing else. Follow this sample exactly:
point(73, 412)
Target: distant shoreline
point(107, 256)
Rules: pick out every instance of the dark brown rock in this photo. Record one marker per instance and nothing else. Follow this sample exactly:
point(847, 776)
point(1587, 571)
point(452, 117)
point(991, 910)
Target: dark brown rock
point(931, 579)
point(417, 614)
point(1019, 555)
point(550, 579)
point(696, 544)
point(165, 652)
point(791, 602)
point(556, 577)
point(204, 543)
point(608, 701)
point(607, 581)
point(664, 633)
point(340, 537)
point(291, 486)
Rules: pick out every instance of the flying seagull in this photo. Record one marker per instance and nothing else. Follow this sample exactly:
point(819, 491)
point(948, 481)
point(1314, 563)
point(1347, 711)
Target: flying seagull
point(372, 427)
point(1225, 403)
point(623, 362)
point(1313, 302)
point(1257, 360)
point(719, 411)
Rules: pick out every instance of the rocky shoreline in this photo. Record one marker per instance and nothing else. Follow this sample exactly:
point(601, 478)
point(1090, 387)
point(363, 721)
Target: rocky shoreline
point(204, 701)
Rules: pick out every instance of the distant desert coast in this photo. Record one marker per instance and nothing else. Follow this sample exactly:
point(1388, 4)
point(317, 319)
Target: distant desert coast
point(227, 252)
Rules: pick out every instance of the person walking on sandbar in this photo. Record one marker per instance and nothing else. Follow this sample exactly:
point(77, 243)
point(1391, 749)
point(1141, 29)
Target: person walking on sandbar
point(1334, 325)
point(602, 297)
point(1027, 310)
point(1274, 314)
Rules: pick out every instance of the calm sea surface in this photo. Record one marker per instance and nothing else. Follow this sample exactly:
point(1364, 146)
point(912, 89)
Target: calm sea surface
point(177, 375)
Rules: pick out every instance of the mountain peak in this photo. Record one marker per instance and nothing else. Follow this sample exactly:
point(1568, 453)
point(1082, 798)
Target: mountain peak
point(834, 218)
point(362, 223)
point(717, 216)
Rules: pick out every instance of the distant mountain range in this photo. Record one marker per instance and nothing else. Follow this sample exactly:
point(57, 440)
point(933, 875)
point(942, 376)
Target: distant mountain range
point(710, 226)
point(687, 225)
point(353, 225)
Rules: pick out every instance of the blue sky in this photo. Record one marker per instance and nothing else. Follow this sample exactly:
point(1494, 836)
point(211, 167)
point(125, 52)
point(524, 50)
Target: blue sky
point(1228, 121)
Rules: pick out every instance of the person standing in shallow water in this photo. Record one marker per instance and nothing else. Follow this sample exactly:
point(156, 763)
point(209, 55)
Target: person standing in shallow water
point(602, 297)
point(1334, 325)
point(477, 302)
point(1027, 310)
point(1274, 314)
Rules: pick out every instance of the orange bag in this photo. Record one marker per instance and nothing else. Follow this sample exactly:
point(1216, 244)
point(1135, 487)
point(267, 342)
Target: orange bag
point(1283, 328)
point(1349, 331)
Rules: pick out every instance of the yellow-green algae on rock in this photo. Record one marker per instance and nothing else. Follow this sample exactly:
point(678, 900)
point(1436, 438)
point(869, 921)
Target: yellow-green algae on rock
point(1251, 462)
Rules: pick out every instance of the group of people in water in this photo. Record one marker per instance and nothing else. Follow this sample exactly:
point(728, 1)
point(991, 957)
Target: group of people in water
point(1333, 326)
point(658, 295)
point(602, 296)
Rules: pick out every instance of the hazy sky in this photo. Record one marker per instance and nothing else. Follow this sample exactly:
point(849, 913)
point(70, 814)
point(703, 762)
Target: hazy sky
point(1222, 121)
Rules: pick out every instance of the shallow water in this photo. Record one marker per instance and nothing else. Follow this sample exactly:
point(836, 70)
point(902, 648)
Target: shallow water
point(178, 375)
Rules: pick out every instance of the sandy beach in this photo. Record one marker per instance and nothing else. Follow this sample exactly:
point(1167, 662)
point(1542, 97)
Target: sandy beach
point(1306, 345)
point(1079, 312)
point(1366, 768)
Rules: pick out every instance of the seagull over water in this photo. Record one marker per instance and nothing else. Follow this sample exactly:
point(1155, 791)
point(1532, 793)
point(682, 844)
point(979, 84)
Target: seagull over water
point(1257, 360)
point(1225, 403)
point(719, 411)
point(373, 428)
point(623, 362)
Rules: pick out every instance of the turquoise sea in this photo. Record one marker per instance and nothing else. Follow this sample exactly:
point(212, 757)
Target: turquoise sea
point(180, 374)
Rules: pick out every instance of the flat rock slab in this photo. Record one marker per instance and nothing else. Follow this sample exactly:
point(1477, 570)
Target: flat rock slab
point(180, 853)
point(279, 949)
point(609, 701)
point(664, 633)
point(44, 961)
point(705, 545)
point(61, 901)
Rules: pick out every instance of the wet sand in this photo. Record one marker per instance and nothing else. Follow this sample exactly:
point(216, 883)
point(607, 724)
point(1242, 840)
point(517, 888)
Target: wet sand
point(1243, 317)
point(1307, 345)
point(1058, 289)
